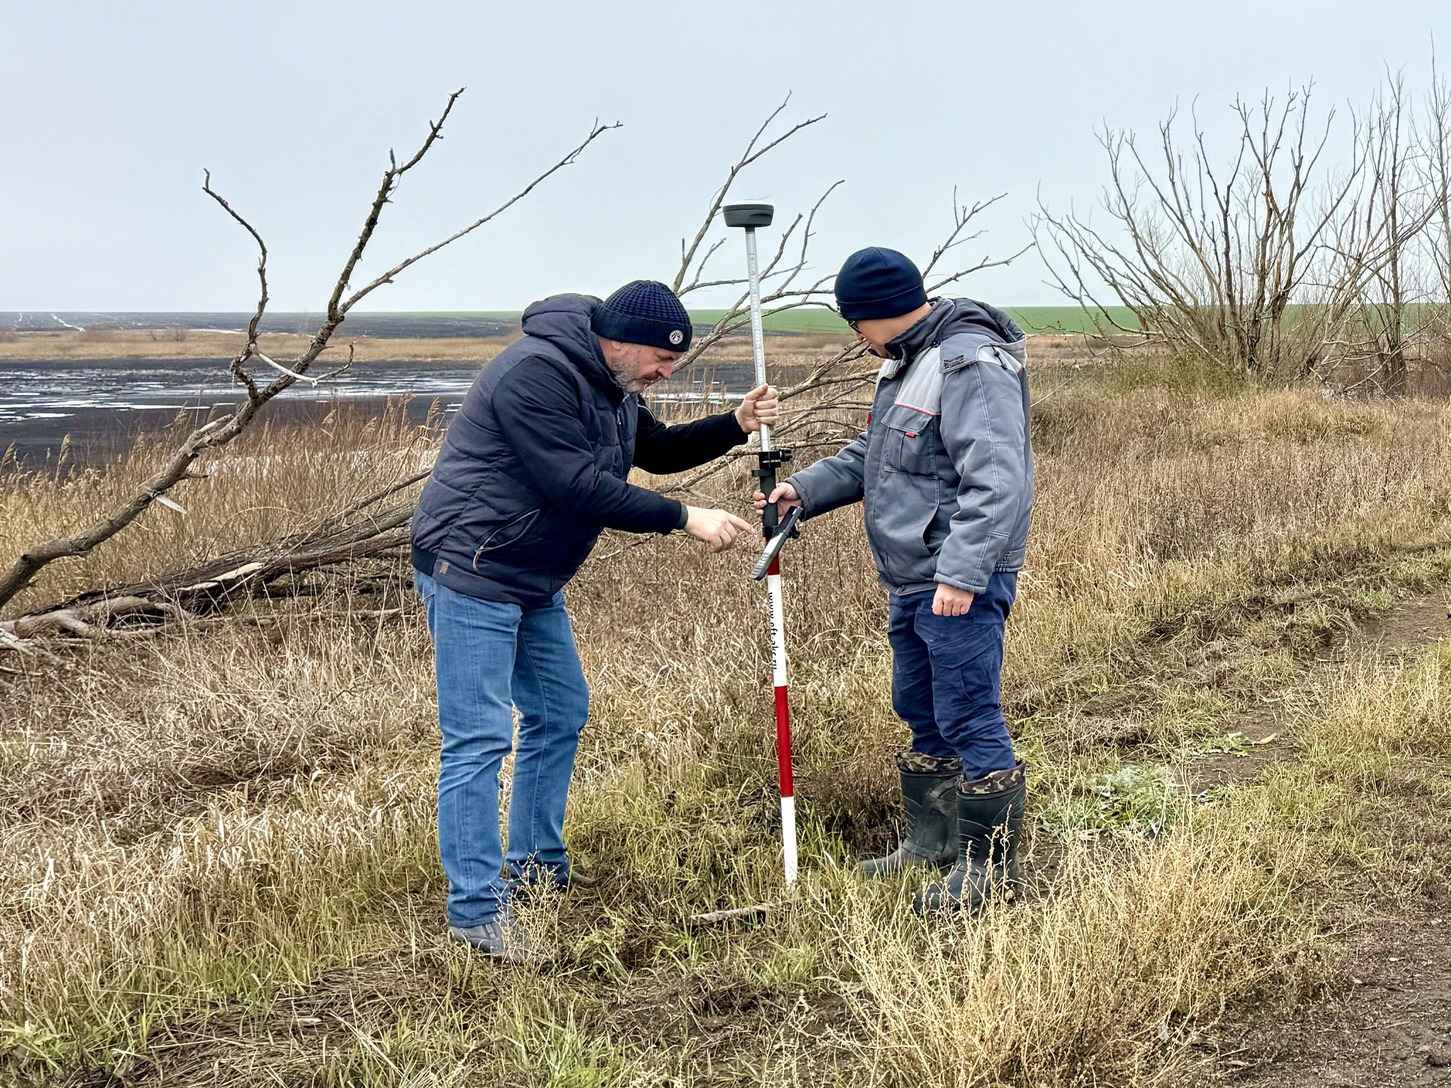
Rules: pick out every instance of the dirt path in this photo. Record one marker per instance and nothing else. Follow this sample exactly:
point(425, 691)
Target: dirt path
point(1385, 1023)
point(1384, 1019)
point(1408, 627)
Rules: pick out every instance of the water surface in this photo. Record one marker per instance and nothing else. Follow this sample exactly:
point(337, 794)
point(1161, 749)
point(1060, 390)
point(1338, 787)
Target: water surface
point(102, 404)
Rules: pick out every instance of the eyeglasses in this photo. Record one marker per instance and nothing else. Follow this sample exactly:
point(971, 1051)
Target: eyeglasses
point(854, 326)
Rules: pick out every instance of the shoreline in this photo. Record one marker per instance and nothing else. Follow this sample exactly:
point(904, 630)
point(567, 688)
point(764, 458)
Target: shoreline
point(219, 347)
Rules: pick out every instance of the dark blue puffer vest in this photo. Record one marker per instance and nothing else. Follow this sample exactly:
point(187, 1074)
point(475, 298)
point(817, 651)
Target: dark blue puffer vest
point(482, 528)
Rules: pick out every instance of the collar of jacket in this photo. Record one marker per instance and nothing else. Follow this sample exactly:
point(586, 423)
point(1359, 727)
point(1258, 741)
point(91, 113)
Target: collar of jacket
point(921, 336)
point(949, 317)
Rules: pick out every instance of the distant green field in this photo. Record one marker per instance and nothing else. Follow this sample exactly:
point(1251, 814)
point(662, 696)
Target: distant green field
point(803, 320)
point(1031, 318)
point(1066, 318)
point(826, 322)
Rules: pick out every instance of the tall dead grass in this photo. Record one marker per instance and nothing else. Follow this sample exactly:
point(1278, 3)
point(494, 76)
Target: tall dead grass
point(273, 481)
point(1109, 980)
point(219, 845)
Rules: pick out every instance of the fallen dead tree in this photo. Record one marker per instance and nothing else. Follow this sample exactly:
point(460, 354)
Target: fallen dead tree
point(246, 367)
point(374, 527)
point(369, 528)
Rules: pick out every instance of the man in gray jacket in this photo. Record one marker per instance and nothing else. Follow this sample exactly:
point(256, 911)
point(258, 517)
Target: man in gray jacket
point(945, 469)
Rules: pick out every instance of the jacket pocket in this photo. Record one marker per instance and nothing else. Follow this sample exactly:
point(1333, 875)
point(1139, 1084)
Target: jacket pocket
point(910, 441)
point(900, 514)
point(513, 531)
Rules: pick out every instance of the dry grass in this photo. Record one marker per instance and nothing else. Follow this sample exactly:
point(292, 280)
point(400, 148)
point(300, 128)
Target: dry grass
point(220, 849)
point(265, 485)
point(1381, 736)
point(202, 344)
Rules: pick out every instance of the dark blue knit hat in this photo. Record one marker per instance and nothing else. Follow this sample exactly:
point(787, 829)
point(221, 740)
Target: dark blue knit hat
point(644, 312)
point(876, 283)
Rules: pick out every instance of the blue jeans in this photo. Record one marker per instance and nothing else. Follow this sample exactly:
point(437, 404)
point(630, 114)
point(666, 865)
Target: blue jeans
point(489, 658)
point(946, 677)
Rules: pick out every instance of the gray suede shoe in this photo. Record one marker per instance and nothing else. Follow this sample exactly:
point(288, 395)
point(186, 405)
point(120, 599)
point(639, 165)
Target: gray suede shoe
point(567, 877)
point(502, 939)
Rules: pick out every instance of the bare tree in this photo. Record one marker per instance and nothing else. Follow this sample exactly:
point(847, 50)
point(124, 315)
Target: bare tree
point(1379, 233)
point(837, 381)
point(1390, 255)
point(1433, 172)
point(839, 384)
point(784, 286)
point(258, 388)
point(1211, 255)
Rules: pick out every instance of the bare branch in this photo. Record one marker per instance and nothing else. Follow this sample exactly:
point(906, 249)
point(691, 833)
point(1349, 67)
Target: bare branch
point(595, 132)
point(754, 150)
point(385, 190)
point(261, 260)
point(219, 432)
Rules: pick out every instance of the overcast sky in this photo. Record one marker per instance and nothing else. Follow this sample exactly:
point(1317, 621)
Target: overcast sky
point(109, 112)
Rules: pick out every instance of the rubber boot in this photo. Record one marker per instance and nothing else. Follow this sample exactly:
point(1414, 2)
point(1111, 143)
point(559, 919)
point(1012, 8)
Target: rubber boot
point(928, 787)
point(989, 827)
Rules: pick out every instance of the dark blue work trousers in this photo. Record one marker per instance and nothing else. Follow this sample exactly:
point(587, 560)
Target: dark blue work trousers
point(946, 677)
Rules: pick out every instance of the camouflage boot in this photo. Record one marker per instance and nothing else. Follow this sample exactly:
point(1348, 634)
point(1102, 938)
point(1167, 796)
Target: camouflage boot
point(989, 827)
point(928, 786)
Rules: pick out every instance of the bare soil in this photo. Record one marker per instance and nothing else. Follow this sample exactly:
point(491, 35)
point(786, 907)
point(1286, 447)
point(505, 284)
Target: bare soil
point(1383, 1020)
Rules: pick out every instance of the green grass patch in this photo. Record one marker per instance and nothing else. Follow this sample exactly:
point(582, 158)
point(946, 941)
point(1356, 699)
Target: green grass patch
point(807, 320)
point(1070, 319)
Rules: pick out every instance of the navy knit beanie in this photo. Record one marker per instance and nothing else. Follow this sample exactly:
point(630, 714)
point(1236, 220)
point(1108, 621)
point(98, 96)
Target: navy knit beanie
point(644, 312)
point(876, 283)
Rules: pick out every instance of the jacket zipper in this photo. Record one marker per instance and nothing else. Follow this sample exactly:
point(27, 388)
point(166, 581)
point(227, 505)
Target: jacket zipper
point(528, 515)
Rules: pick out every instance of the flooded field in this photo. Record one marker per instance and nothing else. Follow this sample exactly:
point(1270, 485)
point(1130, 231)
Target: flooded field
point(120, 374)
point(101, 404)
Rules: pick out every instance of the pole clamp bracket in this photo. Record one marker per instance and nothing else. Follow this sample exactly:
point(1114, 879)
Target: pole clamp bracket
point(768, 461)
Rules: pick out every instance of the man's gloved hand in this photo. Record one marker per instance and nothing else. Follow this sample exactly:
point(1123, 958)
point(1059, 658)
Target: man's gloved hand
point(718, 528)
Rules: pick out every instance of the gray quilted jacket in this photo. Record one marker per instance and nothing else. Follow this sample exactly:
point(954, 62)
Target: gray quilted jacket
point(945, 465)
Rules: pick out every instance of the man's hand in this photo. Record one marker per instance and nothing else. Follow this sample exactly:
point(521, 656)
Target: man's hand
point(762, 405)
point(718, 528)
point(951, 601)
point(784, 496)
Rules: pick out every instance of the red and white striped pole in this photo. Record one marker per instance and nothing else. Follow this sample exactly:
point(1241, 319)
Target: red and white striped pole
point(750, 216)
point(783, 720)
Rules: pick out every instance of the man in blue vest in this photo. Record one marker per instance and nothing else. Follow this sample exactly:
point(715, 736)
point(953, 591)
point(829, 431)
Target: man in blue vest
point(945, 472)
point(533, 467)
